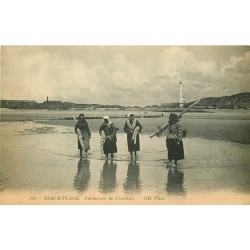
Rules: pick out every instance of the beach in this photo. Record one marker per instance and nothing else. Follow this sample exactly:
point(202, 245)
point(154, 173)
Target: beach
point(40, 164)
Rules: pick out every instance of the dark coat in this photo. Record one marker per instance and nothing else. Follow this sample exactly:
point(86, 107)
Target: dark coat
point(109, 145)
point(86, 134)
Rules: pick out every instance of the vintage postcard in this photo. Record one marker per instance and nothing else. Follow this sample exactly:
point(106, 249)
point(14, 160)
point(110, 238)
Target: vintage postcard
point(125, 125)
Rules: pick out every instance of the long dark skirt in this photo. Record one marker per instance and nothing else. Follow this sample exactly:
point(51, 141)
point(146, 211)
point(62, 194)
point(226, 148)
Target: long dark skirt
point(109, 146)
point(131, 145)
point(175, 151)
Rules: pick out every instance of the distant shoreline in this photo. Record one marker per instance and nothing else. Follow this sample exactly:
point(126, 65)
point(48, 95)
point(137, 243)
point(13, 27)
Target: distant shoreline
point(63, 118)
point(19, 115)
point(235, 101)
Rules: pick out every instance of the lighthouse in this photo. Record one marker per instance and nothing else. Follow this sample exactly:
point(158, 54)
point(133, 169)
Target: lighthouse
point(181, 99)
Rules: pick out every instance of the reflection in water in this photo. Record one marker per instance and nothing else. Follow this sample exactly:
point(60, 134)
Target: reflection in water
point(107, 182)
point(175, 182)
point(132, 182)
point(82, 177)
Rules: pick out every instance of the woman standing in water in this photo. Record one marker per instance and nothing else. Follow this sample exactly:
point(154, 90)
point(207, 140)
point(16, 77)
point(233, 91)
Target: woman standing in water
point(132, 127)
point(174, 140)
point(110, 130)
point(84, 134)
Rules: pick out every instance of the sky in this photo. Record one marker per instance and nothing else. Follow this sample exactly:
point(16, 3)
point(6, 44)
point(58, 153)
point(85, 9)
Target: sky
point(123, 75)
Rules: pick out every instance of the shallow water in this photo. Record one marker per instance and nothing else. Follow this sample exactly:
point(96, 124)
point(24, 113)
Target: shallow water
point(44, 158)
point(233, 125)
point(50, 162)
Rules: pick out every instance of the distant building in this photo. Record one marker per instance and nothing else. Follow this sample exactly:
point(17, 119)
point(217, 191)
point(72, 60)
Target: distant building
point(169, 105)
point(17, 103)
point(53, 102)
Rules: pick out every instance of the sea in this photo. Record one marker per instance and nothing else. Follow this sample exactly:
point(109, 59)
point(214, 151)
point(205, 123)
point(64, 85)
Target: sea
point(39, 157)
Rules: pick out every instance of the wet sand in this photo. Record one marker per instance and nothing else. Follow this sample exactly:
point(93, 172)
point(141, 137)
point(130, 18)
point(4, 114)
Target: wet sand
point(41, 165)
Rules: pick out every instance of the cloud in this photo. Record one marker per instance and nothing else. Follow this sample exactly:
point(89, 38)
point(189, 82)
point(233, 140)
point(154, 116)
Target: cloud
point(206, 78)
point(179, 62)
point(243, 65)
point(236, 73)
point(108, 83)
point(119, 76)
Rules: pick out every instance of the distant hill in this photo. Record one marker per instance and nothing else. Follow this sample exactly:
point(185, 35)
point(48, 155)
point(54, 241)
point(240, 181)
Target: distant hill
point(53, 105)
point(237, 101)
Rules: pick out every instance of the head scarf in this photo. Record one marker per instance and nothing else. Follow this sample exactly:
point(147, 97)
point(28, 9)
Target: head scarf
point(130, 115)
point(173, 118)
point(107, 117)
point(133, 125)
point(83, 117)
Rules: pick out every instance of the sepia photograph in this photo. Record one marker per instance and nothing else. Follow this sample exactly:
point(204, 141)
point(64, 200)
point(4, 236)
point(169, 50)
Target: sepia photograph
point(125, 125)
